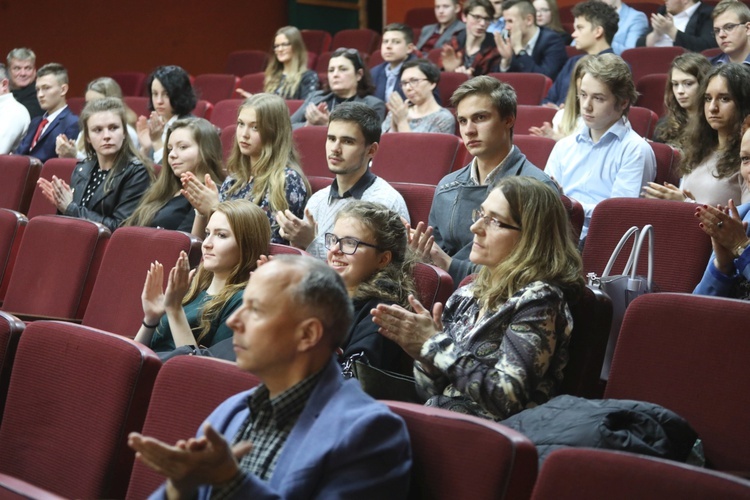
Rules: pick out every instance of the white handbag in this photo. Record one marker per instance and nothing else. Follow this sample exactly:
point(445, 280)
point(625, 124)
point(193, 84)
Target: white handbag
point(624, 288)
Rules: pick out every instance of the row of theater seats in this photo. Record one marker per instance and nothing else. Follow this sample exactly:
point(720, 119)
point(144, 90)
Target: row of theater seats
point(74, 393)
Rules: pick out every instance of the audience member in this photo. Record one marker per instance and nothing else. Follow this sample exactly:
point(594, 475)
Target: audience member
point(681, 23)
point(287, 74)
point(681, 98)
point(728, 269)
point(304, 432)
point(472, 50)
point(353, 135)
point(171, 98)
point(192, 145)
point(263, 167)
point(194, 311)
point(41, 136)
point(349, 81)
point(96, 89)
point(595, 28)
point(529, 48)
point(606, 158)
point(107, 187)
point(436, 35)
point(501, 343)
point(498, 23)
point(567, 119)
point(711, 149)
point(14, 117)
point(548, 16)
point(486, 111)
point(420, 112)
point(396, 48)
point(368, 247)
point(632, 25)
point(22, 68)
point(731, 21)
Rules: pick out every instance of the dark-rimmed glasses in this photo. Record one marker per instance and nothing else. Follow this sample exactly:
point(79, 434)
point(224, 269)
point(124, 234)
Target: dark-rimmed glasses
point(347, 244)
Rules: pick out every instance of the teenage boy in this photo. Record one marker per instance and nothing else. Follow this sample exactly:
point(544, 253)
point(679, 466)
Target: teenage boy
point(396, 48)
point(473, 50)
point(353, 135)
point(529, 48)
point(595, 25)
point(732, 31)
point(51, 89)
point(606, 158)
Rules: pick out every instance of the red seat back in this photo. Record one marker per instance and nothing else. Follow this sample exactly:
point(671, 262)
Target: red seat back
point(316, 41)
point(75, 394)
point(252, 83)
point(449, 82)
point(648, 60)
point(225, 112)
point(418, 198)
point(203, 109)
point(311, 144)
point(244, 62)
point(650, 90)
point(531, 88)
point(75, 104)
point(215, 87)
point(576, 215)
point(689, 353)
point(643, 121)
point(363, 40)
point(279, 249)
point(416, 17)
point(139, 105)
point(12, 226)
point(57, 263)
point(317, 182)
point(589, 474)
point(20, 174)
point(667, 160)
point(460, 456)
point(172, 416)
point(132, 83)
point(129, 254)
point(10, 333)
point(62, 168)
point(432, 284)
point(531, 116)
point(415, 157)
point(681, 248)
point(536, 149)
point(228, 135)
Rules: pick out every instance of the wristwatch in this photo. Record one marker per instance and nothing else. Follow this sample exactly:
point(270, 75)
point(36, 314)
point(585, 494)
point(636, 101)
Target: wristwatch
point(522, 53)
point(741, 248)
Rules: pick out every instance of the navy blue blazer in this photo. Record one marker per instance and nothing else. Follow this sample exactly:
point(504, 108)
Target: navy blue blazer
point(548, 57)
point(698, 34)
point(65, 123)
point(380, 78)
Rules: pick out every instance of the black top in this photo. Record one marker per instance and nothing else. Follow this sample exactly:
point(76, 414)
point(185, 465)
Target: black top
point(176, 214)
point(27, 96)
point(363, 336)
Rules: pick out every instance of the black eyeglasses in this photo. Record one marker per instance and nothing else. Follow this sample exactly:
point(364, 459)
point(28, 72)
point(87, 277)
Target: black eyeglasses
point(413, 82)
point(478, 214)
point(347, 244)
point(727, 28)
point(282, 45)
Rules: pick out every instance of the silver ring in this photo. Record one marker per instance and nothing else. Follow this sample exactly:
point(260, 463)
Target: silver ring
point(720, 224)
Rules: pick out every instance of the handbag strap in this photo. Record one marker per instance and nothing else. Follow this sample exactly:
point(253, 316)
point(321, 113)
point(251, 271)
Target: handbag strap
point(648, 230)
point(616, 253)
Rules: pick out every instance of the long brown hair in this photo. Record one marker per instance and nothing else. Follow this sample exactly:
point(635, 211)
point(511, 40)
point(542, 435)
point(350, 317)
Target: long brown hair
point(252, 231)
point(167, 185)
point(275, 69)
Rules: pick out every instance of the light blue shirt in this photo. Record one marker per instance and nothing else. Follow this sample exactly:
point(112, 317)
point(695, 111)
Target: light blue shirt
point(391, 76)
point(632, 25)
point(617, 166)
point(497, 25)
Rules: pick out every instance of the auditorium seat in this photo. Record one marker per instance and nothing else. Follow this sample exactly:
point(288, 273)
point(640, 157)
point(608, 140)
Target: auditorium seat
point(318, 182)
point(76, 104)
point(62, 168)
point(316, 41)
point(415, 157)
point(449, 82)
point(432, 284)
point(115, 304)
point(203, 109)
point(132, 83)
point(531, 88)
point(244, 62)
point(416, 17)
point(75, 393)
point(19, 176)
point(536, 149)
point(138, 104)
point(667, 160)
point(643, 121)
point(681, 248)
point(279, 249)
point(215, 87)
point(227, 138)
point(591, 474)
point(11, 329)
point(650, 90)
point(375, 59)
point(12, 226)
point(364, 40)
point(225, 112)
point(418, 198)
point(54, 272)
point(173, 416)
point(648, 60)
point(252, 83)
point(576, 215)
point(311, 144)
point(531, 116)
point(689, 353)
point(460, 456)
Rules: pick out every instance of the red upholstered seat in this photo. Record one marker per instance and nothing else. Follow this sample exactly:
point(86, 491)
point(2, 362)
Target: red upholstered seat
point(225, 112)
point(252, 83)
point(364, 40)
point(244, 62)
point(449, 82)
point(532, 116)
point(590, 474)
point(416, 17)
point(316, 41)
point(294, 105)
point(689, 353)
point(76, 104)
point(375, 59)
point(19, 176)
point(75, 394)
point(531, 88)
point(460, 456)
point(172, 415)
point(138, 104)
point(227, 137)
point(415, 157)
point(115, 304)
point(279, 249)
point(10, 333)
point(650, 90)
point(643, 121)
point(215, 87)
point(318, 182)
point(667, 160)
point(311, 144)
point(681, 248)
point(56, 266)
point(576, 215)
point(432, 284)
point(536, 149)
point(647, 60)
point(418, 198)
point(132, 83)
point(203, 109)
point(12, 226)
point(62, 168)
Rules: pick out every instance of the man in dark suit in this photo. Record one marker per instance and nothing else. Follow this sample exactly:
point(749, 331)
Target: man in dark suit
point(51, 89)
point(529, 48)
point(681, 23)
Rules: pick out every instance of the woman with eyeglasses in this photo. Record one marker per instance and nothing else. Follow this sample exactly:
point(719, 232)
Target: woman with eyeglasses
point(419, 112)
point(287, 74)
point(349, 81)
point(368, 248)
point(501, 343)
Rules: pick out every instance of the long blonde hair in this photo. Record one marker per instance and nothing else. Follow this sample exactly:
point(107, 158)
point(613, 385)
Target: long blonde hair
point(277, 153)
point(167, 185)
point(572, 109)
point(252, 231)
point(275, 69)
point(546, 250)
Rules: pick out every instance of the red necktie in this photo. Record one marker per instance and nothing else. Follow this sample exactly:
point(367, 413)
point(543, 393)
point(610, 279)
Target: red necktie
point(39, 132)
